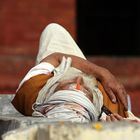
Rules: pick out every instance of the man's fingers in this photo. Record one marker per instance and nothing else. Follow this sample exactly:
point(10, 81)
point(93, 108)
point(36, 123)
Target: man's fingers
point(118, 117)
point(121, 93)
point(114, 90)
point(113, 118)
point(111, 95)
point(108, 119)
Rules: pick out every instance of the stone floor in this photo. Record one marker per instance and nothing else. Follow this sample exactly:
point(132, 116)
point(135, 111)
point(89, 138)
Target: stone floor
point(14, 126)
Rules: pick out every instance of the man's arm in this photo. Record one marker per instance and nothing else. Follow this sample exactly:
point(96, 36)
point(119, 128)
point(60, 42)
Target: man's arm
point(111, 85)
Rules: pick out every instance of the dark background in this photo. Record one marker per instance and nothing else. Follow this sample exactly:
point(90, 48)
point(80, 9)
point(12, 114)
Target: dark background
point(108, 27)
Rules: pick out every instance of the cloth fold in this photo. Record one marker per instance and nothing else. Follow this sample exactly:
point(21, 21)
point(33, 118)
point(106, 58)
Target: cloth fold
point(48, 97)
point(64, 98)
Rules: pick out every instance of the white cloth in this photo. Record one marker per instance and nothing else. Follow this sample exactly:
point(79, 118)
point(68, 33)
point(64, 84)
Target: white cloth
point(87, 112)
point(47, 96)
point(42, 68)
point(55, 38)
point(51, 84)
point(131, 116)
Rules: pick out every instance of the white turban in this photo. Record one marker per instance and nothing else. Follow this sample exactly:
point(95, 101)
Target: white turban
point(61, 103)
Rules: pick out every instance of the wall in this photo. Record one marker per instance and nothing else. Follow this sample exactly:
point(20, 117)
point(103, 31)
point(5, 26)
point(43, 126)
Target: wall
point(21, 22)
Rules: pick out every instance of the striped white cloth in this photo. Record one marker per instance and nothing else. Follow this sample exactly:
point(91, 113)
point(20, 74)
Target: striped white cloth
point(64, 104)
point(56, 100)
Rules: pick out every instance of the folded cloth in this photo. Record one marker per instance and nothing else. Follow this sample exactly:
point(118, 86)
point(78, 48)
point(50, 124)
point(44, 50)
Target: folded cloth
point(131, 117)
point(48, 97)
point(60, 104)
point(55, 38)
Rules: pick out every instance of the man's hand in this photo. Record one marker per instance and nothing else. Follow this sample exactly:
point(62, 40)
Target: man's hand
point(113, 88)
point(114, 117)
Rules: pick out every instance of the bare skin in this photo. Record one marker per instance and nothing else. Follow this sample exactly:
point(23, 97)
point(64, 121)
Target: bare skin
point(113, 88)
point(114, 117)
point(76, 83)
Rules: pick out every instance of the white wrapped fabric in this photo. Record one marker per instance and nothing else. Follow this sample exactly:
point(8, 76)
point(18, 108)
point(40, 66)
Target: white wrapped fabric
point(47, 97)
point(87, 110)
point(55, 38)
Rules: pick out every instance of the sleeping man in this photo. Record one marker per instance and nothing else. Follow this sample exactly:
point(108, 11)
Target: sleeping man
point(65, 86)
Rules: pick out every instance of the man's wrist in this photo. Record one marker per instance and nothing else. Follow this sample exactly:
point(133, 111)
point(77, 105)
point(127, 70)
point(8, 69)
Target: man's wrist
point(100, 73)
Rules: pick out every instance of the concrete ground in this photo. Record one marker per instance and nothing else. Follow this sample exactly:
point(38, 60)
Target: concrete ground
point(14, 126)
